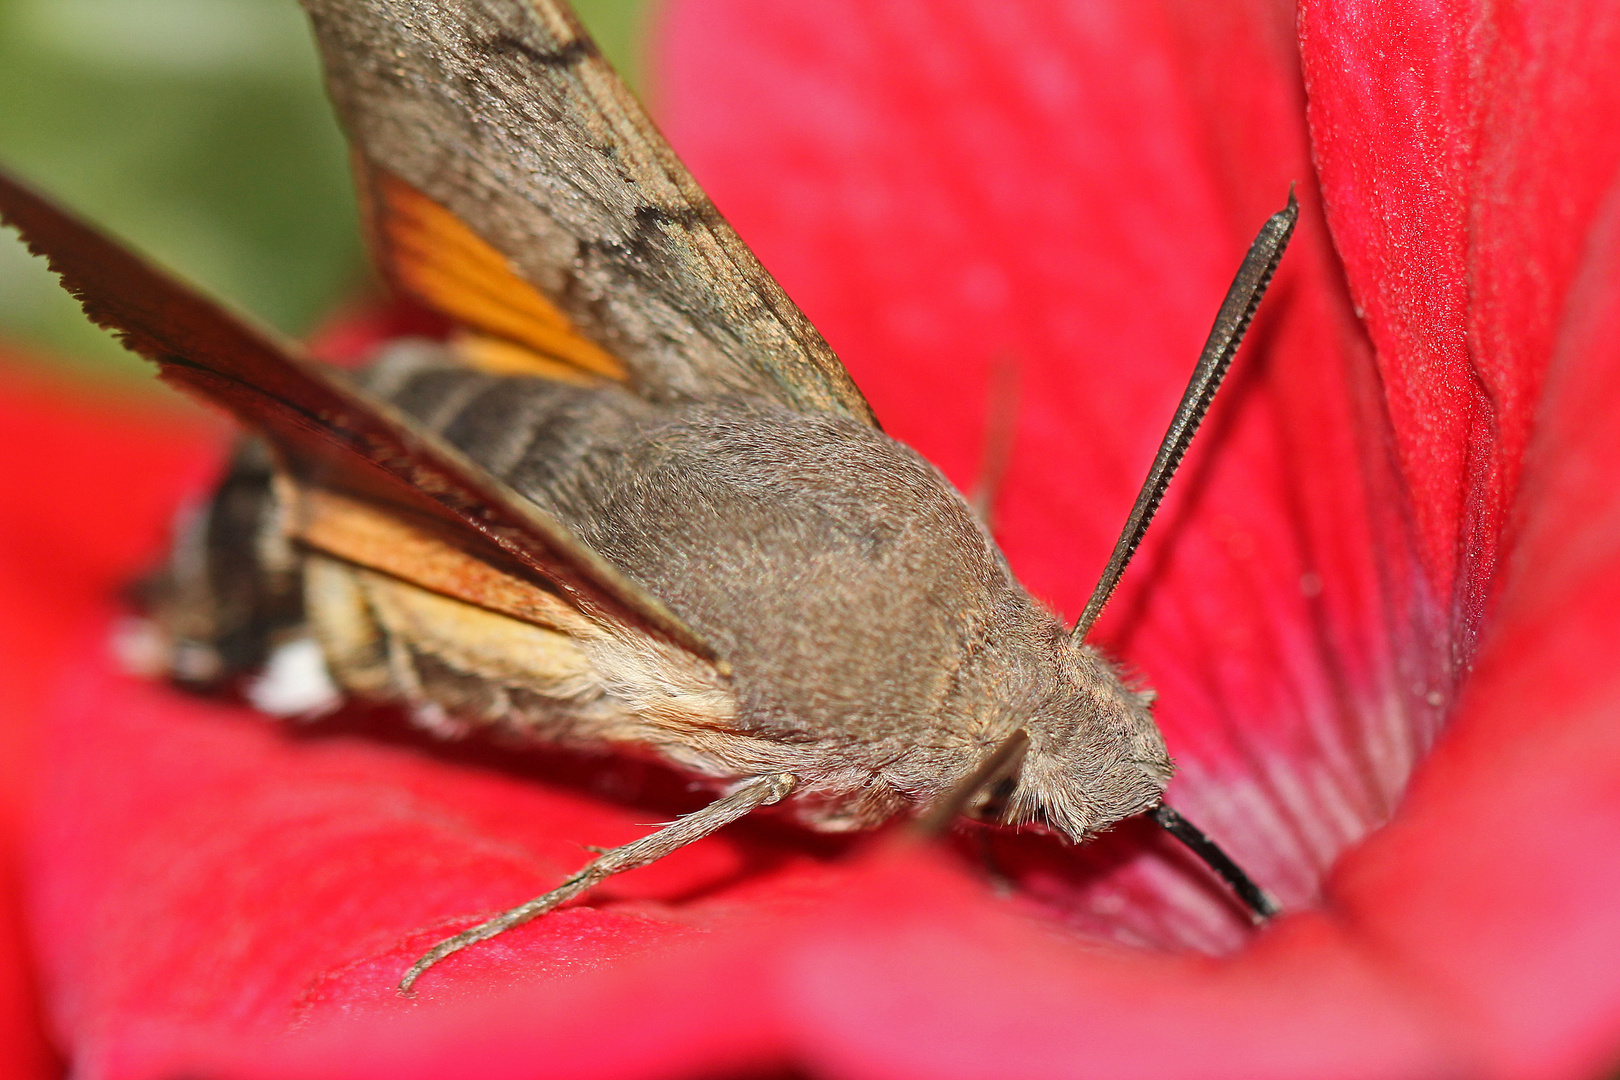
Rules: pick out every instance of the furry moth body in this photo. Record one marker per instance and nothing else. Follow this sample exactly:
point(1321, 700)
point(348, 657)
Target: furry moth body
point(879, 646)
point(636, 501)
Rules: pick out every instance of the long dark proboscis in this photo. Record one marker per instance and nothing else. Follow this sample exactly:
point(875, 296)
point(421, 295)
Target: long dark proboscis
point(1260, 903)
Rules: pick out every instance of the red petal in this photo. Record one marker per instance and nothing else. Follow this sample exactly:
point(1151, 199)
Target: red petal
point(888, 998)
point(343, 859)
point(1464, 150)
point(75, 512)
point(1471, 158)
point(1495, 883)
point(908, 970)
point(203, 877)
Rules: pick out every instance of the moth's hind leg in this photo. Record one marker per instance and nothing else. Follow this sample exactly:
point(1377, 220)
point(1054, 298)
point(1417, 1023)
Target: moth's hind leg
point(231, 592)
point(749, 796)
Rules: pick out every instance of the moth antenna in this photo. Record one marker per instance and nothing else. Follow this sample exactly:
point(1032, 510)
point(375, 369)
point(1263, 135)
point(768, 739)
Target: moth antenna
point(1231, 322)
point(1000, 761)
point(1261, 904)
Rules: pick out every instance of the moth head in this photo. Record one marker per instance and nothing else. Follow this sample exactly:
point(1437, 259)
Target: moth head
point(1092, 757)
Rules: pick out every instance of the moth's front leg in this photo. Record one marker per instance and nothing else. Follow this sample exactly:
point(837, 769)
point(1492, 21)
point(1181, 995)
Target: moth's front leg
point(747, 797)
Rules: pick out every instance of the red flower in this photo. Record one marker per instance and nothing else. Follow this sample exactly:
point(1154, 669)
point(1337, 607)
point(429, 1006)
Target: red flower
point(1397, 548)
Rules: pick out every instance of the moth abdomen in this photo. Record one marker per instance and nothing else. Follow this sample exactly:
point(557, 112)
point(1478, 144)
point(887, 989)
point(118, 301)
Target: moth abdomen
point(231, 588)
point(523, 430)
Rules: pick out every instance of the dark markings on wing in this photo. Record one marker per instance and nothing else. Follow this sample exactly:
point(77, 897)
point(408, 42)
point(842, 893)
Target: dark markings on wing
point(329, 433)
point(572, 52)
point(504, 113)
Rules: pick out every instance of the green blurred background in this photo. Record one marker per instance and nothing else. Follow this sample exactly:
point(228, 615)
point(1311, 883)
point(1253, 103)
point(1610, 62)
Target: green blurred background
point(198, 131)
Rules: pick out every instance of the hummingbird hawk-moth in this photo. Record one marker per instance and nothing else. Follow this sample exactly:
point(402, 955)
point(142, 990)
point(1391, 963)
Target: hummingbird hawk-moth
point(633, 500)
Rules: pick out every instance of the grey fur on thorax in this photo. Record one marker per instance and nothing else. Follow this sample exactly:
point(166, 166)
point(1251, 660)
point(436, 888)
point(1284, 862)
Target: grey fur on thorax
point(876, 634)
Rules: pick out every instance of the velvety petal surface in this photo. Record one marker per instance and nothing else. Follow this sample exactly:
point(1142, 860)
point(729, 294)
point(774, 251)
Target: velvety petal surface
point(67, 538)
point(1465, 149)
point(1471, 160)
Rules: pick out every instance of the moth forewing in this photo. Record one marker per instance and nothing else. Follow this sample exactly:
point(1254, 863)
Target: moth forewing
point(322, 425)
point(548, 156)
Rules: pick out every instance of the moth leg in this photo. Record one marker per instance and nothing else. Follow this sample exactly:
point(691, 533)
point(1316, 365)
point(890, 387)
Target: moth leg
point(760, 791)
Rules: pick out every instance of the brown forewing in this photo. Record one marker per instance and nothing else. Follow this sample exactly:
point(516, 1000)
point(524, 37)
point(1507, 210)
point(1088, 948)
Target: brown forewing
point(329, 434)
point(505, 114)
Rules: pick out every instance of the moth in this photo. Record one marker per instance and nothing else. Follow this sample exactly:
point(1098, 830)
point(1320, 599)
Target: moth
point(634, 500)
